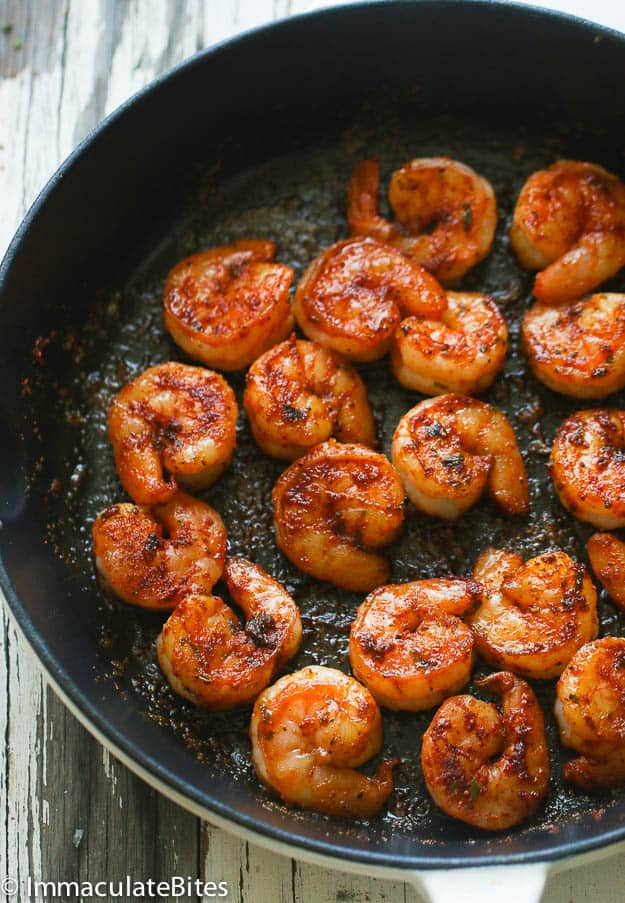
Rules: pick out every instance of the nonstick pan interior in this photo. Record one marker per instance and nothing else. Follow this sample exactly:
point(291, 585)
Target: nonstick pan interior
point(187, 166)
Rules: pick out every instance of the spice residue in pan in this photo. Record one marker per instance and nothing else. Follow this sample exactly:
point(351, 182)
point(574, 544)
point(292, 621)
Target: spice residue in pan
point(298, 201)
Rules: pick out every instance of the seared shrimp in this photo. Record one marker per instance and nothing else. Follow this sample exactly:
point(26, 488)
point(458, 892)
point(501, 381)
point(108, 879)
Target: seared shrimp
point(590, 711)
point(488, 769)
point(353, 296)
point(333, 508)
point(462, 351)
point(449, 450)
point(569, 222)
point(588, 466)
point(535, 615)
point(210, 659)
point(446, 213)
point(154, 557)
point(172, 426)
point(298, 394)
point(226, 306)
point(408, 644)
point(310, 732)
point(578, 348)
point(607, 559)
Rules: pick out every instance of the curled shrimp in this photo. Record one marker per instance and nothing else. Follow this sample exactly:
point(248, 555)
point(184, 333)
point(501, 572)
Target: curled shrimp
point(461, 351)
point(590, 712)
point(155, 556)
point(488, 769)
point(172, 426)
point(446, 213)
point(588, 466)
point(353, 296)
point(334, 508)
point(226, 306)
point(210, 659)
point(299, 394)
point(578, 347)
point(607, 559)
point(569, 222)
point(310, 732)
point(534, 615)
point(449, 450)
point(408, 644)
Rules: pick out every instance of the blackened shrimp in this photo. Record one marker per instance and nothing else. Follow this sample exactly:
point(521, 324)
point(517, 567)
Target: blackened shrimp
point(353, 296)
point(210, 659)
point(462, 350)
point(334, 508)
point(578, 347)
point(533, 615)
point(299, 394)
point(588, 466)
point(172, 426)
point(154, 557)
point(445, 213)
point(226, 306)
point(569, 223)
point(487, 768)
point(449, 450)
point(310, 733)
point(590, 711)
point(607, 559)
point(408, 644)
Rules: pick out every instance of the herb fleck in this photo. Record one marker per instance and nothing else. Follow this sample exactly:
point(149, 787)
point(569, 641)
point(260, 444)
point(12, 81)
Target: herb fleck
point(474, 789)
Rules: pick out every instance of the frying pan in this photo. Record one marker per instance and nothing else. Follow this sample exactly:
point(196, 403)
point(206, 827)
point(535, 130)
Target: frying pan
point(273, 91)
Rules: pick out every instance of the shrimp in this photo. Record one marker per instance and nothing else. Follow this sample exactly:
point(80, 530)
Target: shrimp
point(353, 296)
point(607, 559)
point(226, 306)
point(172, 426)
point(569, 222)
point(535, 615)
point(488, 769)
point(590, 711)
point(408, 644)
point(154, 557)
point(298, 394)
point(334, 508)
point(449, 450)
point(463, 351)
point(310, 731)
point(209, 659)
point(588, 466)
point(446, 213)
point(578, 348)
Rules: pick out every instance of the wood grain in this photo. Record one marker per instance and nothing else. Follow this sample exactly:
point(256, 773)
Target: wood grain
point(68, 811)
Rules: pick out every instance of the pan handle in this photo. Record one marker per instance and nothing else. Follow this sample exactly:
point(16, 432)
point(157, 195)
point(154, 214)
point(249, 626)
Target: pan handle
point(490, 884)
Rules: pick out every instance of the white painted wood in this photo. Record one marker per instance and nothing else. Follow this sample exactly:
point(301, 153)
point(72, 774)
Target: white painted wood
point(79, 59)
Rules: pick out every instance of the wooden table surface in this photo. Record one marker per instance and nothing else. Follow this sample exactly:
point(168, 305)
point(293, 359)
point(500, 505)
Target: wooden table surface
point(68, 811)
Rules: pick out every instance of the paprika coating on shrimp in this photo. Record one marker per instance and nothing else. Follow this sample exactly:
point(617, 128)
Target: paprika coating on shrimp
point(334, 509)
point(446, 214)
point(172, 426)
point(155, 556)
point(588, 466)
point(569, 223)
point(211, 660)
point(488, 768)
point(310, 733)
point(534, 615)
point(408, 644)
point(228, 305)
point(299, 394)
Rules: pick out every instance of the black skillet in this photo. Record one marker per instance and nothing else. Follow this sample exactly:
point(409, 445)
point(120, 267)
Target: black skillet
point(150, 184)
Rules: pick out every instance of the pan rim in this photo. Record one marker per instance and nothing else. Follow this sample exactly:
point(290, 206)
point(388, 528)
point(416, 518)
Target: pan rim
point(95, 720)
